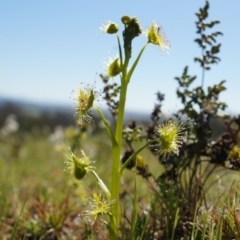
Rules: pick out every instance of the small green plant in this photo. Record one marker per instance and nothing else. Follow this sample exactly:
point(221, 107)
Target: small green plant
point(169, 137)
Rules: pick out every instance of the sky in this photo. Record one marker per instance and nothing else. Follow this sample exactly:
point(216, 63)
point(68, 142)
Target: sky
point(48, 48)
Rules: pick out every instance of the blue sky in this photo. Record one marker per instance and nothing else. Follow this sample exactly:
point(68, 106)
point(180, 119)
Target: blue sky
point(48, 48)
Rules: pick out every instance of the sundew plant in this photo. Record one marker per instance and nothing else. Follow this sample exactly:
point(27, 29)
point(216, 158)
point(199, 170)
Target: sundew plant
point(173, 178)
point(169, 137)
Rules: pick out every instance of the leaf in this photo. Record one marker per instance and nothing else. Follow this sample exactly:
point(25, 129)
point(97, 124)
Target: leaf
point(17, 222)
point(109, 131)
point(215, 49)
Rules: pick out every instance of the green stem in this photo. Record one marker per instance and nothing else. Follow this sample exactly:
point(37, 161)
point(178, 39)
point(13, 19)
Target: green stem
point(109, 131)
point(102, 185)
point(135, 63)
point(116, 175)
point(134, 211)
point(120, 50)
point(115, 185)
point(117, 152)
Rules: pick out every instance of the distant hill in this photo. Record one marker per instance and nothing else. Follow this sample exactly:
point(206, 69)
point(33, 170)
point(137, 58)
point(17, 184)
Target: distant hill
point(36, 114)
point(29, 114)
point(35, 108)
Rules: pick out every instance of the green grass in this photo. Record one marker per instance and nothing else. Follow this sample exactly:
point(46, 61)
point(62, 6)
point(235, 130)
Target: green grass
point(35, 175)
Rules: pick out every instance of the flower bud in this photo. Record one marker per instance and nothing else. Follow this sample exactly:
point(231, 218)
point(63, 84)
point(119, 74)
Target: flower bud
point(114, 68)
point(109, 28)
point(126, 20)
point(77, 165)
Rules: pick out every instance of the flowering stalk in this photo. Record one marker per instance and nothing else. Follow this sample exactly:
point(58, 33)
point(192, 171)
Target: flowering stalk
point(85, 99)
point(132, 30)
point(117, 151)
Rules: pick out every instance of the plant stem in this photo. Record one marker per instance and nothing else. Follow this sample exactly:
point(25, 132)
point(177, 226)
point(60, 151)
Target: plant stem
point(117, 152)
point(109, 131)
point(203, 70)
point(116, 172)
